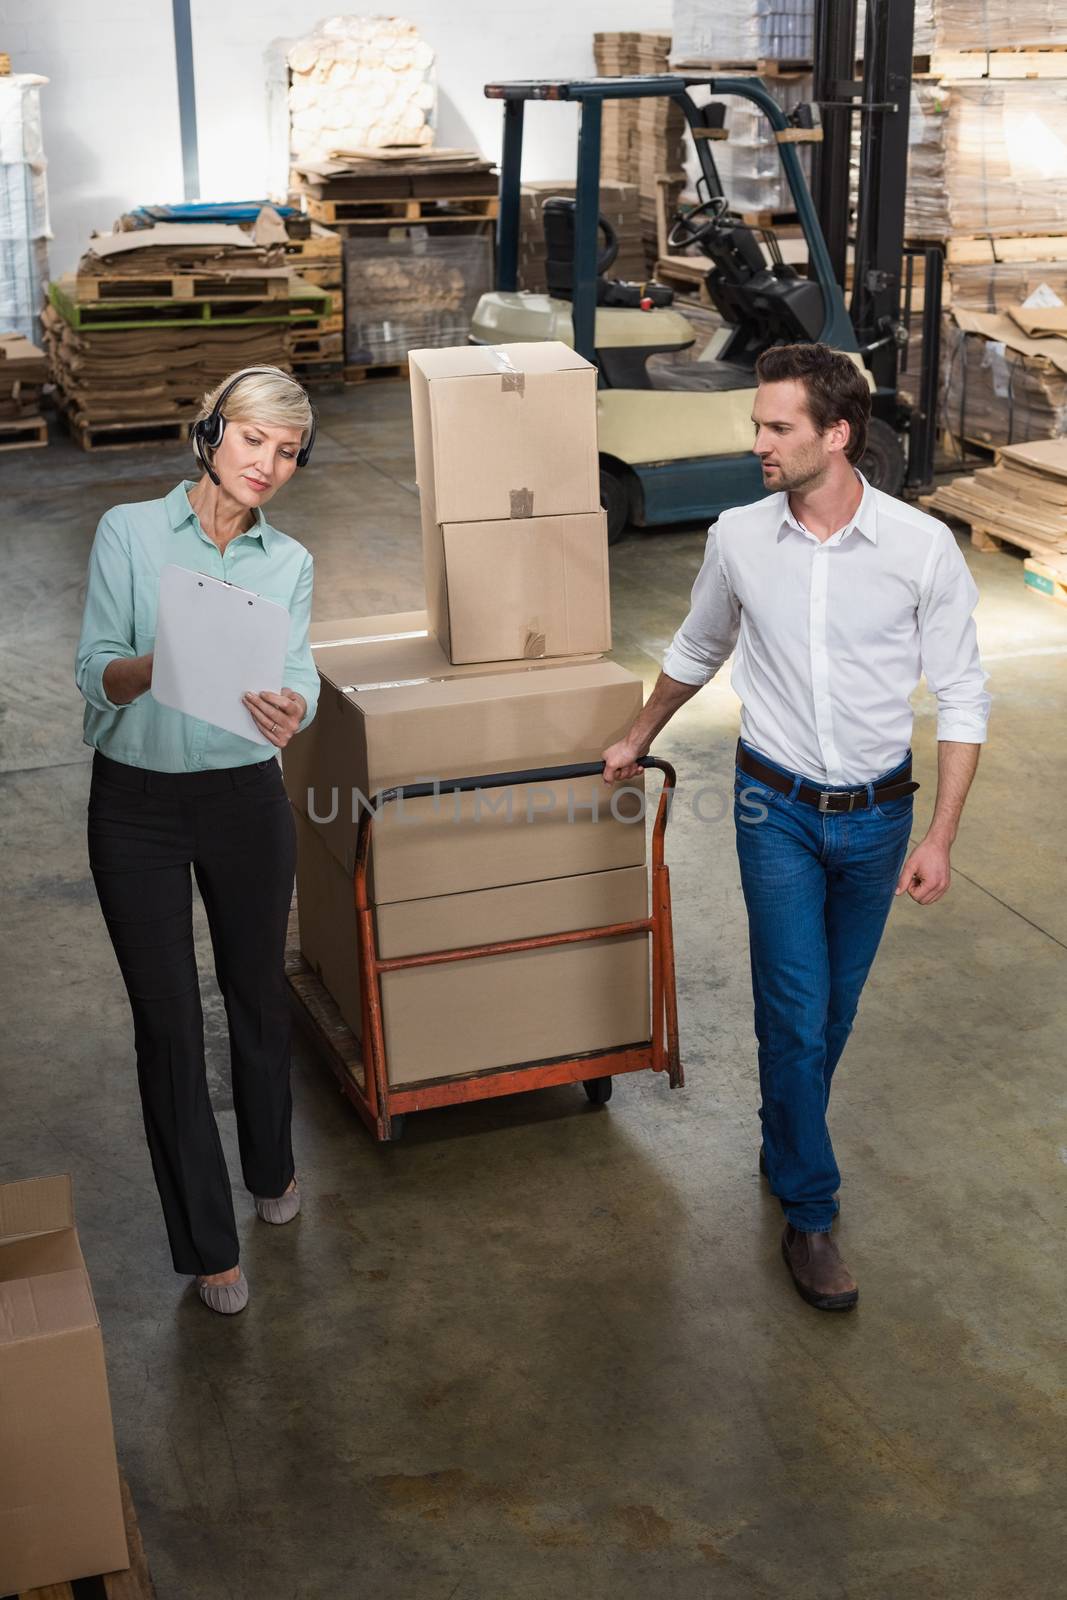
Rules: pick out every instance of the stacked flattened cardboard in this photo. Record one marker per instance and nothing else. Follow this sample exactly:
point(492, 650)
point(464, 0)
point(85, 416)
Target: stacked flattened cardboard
point(1004, 376)
point(157, 316)
point(23, 373)
point(61, 1510)
point(988, 158)
point(642, 140)
point(619, 205)
point(502, 674)
point(998, 24)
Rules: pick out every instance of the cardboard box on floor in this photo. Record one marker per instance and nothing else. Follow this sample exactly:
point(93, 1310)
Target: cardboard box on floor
point(60, 1501)
point(393, 710)
point(528, 588)
point(504, 431)
point(498, 1011)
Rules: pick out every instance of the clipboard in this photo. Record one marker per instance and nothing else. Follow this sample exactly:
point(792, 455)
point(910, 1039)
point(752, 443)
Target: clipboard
point(214, 643)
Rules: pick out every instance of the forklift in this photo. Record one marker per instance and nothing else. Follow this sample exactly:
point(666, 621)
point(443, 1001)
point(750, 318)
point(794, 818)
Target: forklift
point(676, 441)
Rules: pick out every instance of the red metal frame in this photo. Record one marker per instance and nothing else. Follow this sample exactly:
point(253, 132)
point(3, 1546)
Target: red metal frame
point(378, 1103)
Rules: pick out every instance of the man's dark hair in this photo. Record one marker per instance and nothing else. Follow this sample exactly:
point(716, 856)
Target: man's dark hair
point(836, 389)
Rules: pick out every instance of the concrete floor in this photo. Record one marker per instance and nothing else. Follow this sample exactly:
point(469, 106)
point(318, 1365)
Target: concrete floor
point(537, 1351)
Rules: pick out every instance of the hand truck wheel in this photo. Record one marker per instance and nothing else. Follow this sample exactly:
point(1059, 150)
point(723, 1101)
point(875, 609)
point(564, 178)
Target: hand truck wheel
point(599, 1089)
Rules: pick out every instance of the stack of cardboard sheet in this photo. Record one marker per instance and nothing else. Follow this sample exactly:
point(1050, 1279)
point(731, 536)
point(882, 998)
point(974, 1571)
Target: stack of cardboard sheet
point(643, 140)
point(360, 82)
point(1004, 376)
point(1023, 500)
point(987, 158)
point(501, 675)
point(23, 373)
point(998, 24)
point(157, 316)
point(619, 205)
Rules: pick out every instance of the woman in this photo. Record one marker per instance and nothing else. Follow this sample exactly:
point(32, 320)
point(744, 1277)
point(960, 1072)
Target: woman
point(169, 793)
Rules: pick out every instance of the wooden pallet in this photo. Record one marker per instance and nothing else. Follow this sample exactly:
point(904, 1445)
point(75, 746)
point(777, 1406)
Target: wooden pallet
point(988, 250)
point(759, 66)
point(378, 373)
point(23, 433)
point(316, 347)
point(188, 286)
point(325, 275)
point(302, 304)
point(321, 246)
point(1009, 62)
point(395, 213)
point(987, 536)
point(147, 431)
point(135, 1583)
point(319, 371)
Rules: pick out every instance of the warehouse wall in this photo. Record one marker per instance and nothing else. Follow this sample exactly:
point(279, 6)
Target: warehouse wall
point(111, 113)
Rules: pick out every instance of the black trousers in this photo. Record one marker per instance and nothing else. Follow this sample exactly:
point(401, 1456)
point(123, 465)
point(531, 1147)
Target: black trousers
point(234, 828)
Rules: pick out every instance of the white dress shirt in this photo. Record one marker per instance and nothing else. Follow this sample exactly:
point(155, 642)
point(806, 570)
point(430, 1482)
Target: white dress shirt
point(833, 637)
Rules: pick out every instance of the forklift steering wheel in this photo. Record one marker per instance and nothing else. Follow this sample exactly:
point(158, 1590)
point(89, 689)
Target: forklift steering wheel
point(683, 232)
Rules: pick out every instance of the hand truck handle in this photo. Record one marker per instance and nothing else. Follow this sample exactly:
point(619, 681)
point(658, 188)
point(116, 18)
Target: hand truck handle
point(506, 780)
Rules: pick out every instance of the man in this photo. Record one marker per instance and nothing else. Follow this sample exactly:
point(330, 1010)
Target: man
point(837, 598)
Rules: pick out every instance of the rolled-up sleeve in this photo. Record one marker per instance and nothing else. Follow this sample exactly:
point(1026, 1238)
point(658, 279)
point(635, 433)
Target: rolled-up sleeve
point(108, 618)
point(709, 632)
point(301, 673)
point(948, 643)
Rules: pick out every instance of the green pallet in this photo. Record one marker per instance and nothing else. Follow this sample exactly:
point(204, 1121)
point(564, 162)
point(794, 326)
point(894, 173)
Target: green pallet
point(306, 304)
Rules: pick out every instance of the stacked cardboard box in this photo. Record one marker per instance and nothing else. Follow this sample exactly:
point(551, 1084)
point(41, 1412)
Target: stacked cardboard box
point(61, 1514)
point(619, 205)
point(1004, 376)
point(502, 675)
point(643, 140)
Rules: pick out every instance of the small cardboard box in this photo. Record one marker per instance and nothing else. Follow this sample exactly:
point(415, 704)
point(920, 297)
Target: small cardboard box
point(60, 1501)
point(527, 588)
point(504, 431)
point(497, 1011)
point(393, 710)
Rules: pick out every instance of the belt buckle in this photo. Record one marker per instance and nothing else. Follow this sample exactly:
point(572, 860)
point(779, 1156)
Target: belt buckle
point(826, 795)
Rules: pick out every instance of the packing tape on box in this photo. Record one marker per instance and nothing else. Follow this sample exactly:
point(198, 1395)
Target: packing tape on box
point(521, 502)
point(371, 638)
point(443, 677)
point(512, 380)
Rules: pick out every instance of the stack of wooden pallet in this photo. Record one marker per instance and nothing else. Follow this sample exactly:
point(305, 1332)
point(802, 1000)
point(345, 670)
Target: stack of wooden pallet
point(155, 317)
point(23, 372)
point(642, 140)
point(1022, 501)
point(619, 205)
point(391, 209)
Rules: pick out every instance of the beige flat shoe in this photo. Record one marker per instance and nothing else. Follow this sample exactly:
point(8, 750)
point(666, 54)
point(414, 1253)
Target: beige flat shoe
point(284, 1209)
point(225, 1298)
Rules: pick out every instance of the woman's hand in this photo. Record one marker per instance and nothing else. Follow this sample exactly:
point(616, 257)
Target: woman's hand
point(277, 716)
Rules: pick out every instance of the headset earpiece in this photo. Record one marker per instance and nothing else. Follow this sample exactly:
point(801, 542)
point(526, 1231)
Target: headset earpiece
point(208, 432)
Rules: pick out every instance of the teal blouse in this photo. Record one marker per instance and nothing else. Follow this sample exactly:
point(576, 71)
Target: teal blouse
point(132, 545)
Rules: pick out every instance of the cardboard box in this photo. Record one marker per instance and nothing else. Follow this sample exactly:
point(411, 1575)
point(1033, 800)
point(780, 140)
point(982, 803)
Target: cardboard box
point(504, 431)
point(60, 1502)
point(384, 719)
point(526, 588)
point(470, 1016)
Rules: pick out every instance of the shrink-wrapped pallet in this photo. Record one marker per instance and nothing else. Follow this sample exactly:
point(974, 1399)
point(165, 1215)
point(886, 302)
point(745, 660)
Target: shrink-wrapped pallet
point(998, 24)
point(24, 226)
point(415, 293)
point(360, 83)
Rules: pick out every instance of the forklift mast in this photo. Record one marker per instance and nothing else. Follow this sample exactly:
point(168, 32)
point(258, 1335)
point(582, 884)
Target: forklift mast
point(882, 98)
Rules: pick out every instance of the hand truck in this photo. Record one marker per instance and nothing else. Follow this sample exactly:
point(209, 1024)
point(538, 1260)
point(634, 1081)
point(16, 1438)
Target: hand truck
point(383, 1107)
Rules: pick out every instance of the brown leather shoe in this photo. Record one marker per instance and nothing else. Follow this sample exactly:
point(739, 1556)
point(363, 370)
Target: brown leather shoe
point(821, 1277)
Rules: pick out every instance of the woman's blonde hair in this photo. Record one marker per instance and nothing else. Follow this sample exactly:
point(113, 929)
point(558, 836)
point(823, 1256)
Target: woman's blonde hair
point(266, 395)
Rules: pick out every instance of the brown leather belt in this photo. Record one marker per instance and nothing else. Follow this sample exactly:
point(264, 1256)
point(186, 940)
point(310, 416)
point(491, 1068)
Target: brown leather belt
point(833, 800)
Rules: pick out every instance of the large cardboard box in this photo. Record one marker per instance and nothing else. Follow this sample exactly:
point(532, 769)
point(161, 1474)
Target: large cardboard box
point(496, 1011)
point(393, 710)
point(60, 1502)
point(525, 588)
point(504, 431)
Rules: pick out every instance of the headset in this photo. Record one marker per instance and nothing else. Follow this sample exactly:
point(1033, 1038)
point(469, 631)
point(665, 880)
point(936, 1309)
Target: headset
point(208, 432)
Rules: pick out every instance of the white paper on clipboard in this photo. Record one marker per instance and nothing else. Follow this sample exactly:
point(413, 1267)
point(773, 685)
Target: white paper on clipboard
point(214, 643)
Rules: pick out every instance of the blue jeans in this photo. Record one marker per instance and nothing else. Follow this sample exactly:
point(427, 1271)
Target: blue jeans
point(818, 888)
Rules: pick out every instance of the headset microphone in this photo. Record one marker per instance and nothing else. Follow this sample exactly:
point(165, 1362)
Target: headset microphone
point(208, 431)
